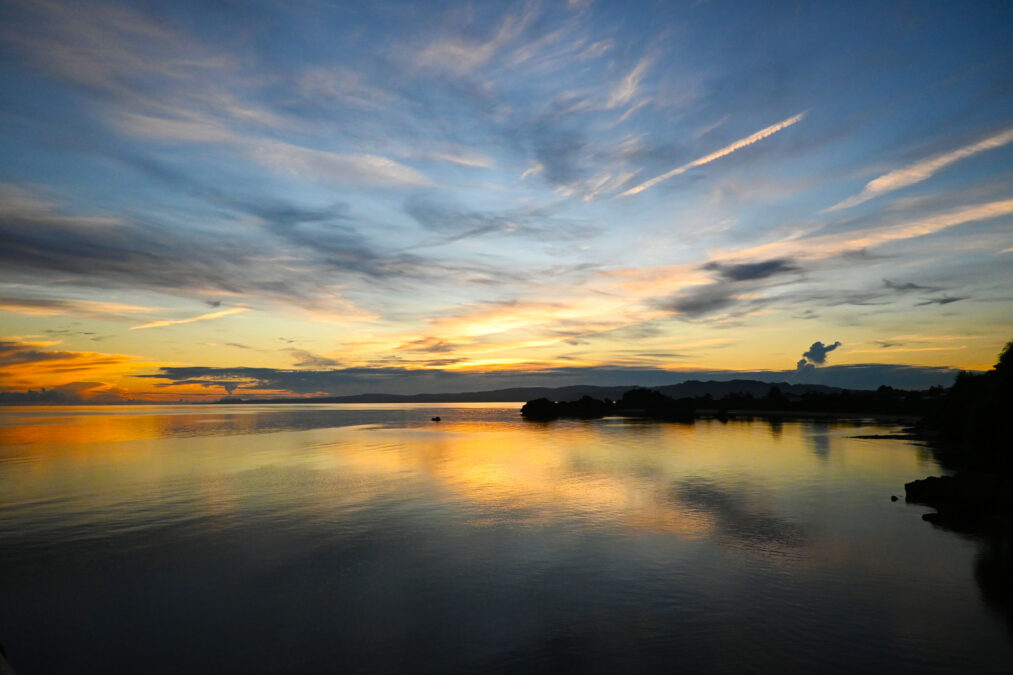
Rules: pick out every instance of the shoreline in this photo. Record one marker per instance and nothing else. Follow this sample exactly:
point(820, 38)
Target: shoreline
point(810, 414)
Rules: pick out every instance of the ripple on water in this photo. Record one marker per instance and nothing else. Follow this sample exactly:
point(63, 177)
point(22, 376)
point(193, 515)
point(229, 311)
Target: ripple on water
point(374, 540)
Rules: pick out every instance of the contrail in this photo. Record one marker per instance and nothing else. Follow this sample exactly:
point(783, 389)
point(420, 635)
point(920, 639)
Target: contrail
point(727, 150)
point(921, 170)
point(202, 317)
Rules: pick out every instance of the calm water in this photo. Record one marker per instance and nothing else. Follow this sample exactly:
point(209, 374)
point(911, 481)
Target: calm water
point(318, 539)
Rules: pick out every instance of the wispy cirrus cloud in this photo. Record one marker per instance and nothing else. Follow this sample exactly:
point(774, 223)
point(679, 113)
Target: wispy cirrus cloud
point(628, 86)
point(462, 52)
point(36, 306)
point(203, 317)
point(820, 246)
point(921, 170)
point(279, 156)
point(190, 93)
point(718, 154)
point(284, 257)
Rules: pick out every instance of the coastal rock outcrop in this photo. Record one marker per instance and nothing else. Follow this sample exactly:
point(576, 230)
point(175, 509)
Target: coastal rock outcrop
point(964, 499)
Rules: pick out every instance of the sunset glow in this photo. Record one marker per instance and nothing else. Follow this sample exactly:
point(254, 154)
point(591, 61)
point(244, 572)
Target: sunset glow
point(258, 200)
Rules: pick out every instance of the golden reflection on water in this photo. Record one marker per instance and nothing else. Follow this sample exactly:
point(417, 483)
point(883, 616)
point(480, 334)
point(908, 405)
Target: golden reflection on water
point(786, 528)
point(639, 475)
point(67, 426)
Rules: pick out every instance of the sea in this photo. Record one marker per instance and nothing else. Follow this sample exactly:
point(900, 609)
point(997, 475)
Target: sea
point(372, 539)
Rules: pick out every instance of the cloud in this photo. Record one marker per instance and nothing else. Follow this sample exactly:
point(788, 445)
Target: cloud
point(237, 345)
point(752, 271)
point(462, 53)
point(533, 222)
point(822, 246)
point(341, 168)
point(158, 83)
point(816, 355)
point(116, 252)
point(36, 306)
point(14, 352)
point(202, 317)
point(279, 156)
point(305, 359)
point(343, 85)
point(327, 241)
point(817, 352)
point(400, 380)
point(429, 345)
point(736, 283)
point(906, 287)
point(559, 151)
point(473, 160)
point(285, 256)
point(922, 170)
point(723, 152)
point(940, 301)
point(70, 393)
point(25, 364)
point(703, 300)
point(112, 49)
point(627, 88)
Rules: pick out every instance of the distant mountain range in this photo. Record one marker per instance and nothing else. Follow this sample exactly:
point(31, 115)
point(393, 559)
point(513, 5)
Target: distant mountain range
point(690, 388)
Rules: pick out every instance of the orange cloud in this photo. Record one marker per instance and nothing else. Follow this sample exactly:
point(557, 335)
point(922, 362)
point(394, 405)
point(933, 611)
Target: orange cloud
point(59, 307)
point(31, 365)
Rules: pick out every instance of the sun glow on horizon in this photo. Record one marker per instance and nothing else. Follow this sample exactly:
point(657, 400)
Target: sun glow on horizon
point(440, 200)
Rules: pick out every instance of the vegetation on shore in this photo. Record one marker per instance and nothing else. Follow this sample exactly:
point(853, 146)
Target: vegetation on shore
point(637, 401)
point(651, 403)
point(969, 420)
point(972, 418)
point(968, 424)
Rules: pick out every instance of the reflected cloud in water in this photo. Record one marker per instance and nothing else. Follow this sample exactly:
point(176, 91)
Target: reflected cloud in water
point(483, 542)
point(739, 520)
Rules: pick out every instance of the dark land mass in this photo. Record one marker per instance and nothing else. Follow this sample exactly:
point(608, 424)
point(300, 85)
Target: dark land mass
point(967, 426)
point(977, 505)
point(971, 423)
point(573, 392)
point(765, 399)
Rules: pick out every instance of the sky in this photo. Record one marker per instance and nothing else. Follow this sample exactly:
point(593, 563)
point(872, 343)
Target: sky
point(267, 198)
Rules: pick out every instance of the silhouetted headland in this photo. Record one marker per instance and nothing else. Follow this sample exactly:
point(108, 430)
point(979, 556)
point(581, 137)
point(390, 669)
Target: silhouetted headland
point(799, 400)
point(689, 388)
point(967, 426)
point(641, 402)
point(970, 425)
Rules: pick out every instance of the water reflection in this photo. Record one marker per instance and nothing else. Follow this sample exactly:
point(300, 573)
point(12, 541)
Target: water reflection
point(281, 539)
point(740, 521)
point(62, 425)
point(818, 437)
point(993, 564)
point(992, 571)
